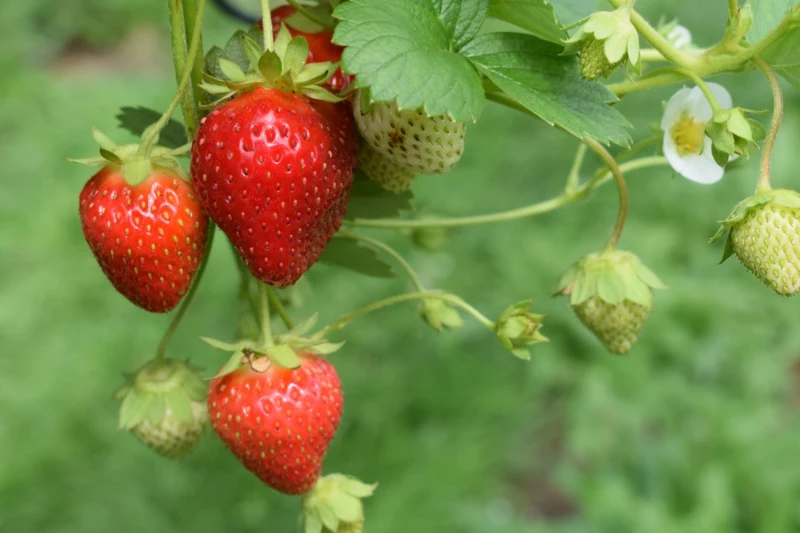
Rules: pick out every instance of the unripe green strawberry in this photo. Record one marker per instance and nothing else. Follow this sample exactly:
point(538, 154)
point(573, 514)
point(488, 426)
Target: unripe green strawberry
point(593, 61)
point(383, 170)
point(425, 144)
point(617, 326)
point(334, 505)
point(163, 405)
point(611, 292)
point(765, 236)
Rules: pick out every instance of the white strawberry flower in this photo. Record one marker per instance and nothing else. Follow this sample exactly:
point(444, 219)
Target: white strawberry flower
point(686, 145)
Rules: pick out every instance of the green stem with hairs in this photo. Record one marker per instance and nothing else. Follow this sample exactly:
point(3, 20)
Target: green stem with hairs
point(733, 8)
point(772, 134)
point(703, 87)
point(161, 351)
point(266, 23)
point(375, 243)
point(180, 94)
point(191, 22)
point(278, 305)
point(512, 214)
point(266, 327)
point(622, 187)
point(436, 295)
point(574, 172)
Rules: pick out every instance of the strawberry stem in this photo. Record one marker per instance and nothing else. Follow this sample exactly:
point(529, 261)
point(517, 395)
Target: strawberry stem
point(622, 214)
point(513, 214)
point(266, 23)
point(777, 116)
point(701, 84)
point(300, 8)
point(278, 305)
point(574, 171)
point(375, 243)
point(434, 295)
point(187, 301)
point(151, 133)
point(266, 328)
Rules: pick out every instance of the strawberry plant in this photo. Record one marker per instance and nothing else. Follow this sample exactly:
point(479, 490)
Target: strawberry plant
point(312, 126)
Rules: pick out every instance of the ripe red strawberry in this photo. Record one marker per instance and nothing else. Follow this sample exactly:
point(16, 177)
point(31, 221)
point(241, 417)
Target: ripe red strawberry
point(320, 47)
point(280, 422)
point(274, 169)
point(148, 238)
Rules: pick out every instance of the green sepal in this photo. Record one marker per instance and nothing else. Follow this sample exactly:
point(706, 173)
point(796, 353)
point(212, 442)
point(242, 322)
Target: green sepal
point(157, 409)
point(334, 505)
point(323, 348)
point(178, 402)
point(517, 328)
point(284, 356)
point(270, 65)
point(438, 314)
point(728, 251)
point(103, 141)
point(612, 276)
point(134, 409)
point(231, 70)
point(225, 346)
point(741, 210)
point(234, 363)
point(295, 56)
point(159, 386)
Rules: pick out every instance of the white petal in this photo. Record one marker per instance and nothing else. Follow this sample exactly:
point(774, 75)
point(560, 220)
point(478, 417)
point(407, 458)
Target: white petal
point(721, 94)
point(700, 168)
point(698, 106)
point(676, 106)
point(680, 36)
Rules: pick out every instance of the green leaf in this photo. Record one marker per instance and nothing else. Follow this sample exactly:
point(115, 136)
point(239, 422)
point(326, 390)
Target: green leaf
point(407, 50)
point(178, 402)
point(137, 119)
point(784, 57)
point(535, 16)
point(533, 73)
point(350, 254)
point(284, 356)
point(370, 200)
point(767, 15)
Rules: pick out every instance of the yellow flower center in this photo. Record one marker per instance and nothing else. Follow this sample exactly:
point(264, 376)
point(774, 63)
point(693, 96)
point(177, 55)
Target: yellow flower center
point(689, 136)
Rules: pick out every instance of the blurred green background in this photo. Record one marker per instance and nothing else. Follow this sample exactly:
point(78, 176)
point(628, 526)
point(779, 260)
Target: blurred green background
point(696, 430)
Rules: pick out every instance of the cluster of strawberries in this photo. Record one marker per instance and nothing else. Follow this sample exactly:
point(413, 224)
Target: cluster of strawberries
point(272, 166)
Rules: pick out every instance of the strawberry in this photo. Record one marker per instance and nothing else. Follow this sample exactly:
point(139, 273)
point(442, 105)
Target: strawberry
point(383, 170)
point(611, 292)
point(411, 138)
point(163, 405)
point(320, 47)
point(593, 61)
point(616, 325)
point(148, 236)
point(765, 236)
point(279, 422)
point(274, 169)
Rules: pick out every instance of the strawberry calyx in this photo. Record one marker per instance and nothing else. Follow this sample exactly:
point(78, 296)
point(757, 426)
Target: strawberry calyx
point(136, 167)
point(283, 68)
point(160, 388)
point(517, 328)
point(334, 505)
point(778, 197)
point(283, 352)
point(613, 276)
